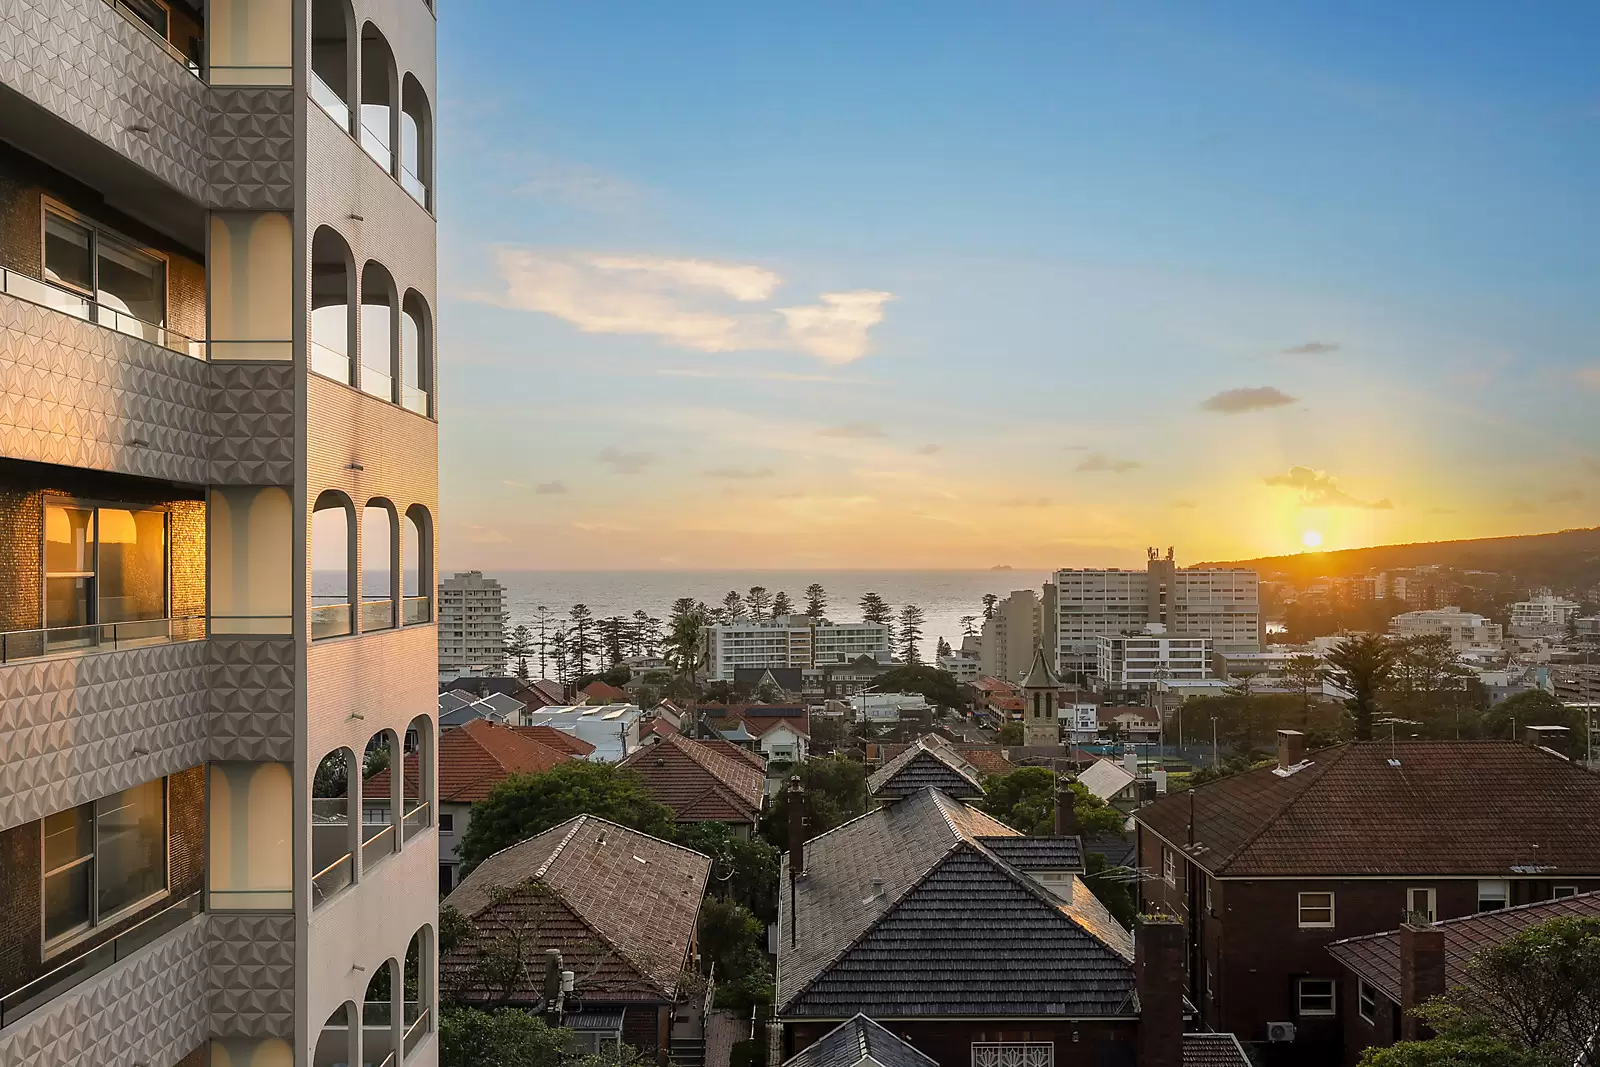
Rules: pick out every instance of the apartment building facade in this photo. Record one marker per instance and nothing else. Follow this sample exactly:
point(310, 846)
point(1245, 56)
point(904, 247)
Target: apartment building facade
point(1543, 616)
point(788, 641)
point(218, 492)
point(1465, 629)
point(1220, 604)
point(1141, 662)
point(1010, 635)
point(471, 626)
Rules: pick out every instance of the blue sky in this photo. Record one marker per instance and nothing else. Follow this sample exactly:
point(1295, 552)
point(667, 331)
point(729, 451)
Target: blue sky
point(1039, 284)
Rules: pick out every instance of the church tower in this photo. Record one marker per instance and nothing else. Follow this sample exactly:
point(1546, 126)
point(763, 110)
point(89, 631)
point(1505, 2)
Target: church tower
point(1041, 694)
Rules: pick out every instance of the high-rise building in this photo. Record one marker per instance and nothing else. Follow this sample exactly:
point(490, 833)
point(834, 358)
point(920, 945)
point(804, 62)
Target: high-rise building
point(788, 641)
point(218, 493)
point(471, 626)
point(1010, 635)
point(1221, 604)
point(1141, 662)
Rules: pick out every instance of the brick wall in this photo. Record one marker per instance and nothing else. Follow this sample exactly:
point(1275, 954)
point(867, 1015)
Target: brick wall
point(21, 904)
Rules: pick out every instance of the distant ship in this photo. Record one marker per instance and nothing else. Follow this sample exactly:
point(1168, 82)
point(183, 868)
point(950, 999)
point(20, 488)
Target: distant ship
point(1001, 567)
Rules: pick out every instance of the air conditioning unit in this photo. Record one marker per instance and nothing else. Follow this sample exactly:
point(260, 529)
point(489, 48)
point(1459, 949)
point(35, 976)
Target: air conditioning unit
point(1280, 1031)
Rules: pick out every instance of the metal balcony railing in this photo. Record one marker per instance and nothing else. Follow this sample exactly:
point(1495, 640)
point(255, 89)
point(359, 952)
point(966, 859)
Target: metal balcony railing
point(418, 1021)
point(418, 609)
point(100, 637)
point(19, 1002)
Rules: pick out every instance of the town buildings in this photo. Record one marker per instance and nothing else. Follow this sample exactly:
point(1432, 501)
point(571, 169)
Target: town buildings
point(1543, 616)
point(788, 641)
point(1125, 661)
point(1010, 634)
point(1268, 866)
point(1464, 629)
point(471, 626)
point(929, 761)
point(1220, 604)
point(613, 729)
point(218, 498)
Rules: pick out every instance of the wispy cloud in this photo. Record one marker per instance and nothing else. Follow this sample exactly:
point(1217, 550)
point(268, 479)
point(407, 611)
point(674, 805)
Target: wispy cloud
point(1241, 401)
point(555, 488)
point(740, 473)
point(483, 535)
point(929, 450)
point(854, 430)
point(1564, 496)
point(1026, 502)
point(625, 462)
point(1318, 490)
point(1185, 504)
point(1099, 461)
point(576, 185)
point(1310, 348)
point(761, 376)
point(688, 302)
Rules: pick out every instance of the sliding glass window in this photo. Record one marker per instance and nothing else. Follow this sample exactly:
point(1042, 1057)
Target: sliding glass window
point(104, 859)
point(103, 564)
point(105, 267)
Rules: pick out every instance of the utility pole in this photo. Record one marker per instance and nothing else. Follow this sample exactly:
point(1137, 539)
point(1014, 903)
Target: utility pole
point(1215, 762)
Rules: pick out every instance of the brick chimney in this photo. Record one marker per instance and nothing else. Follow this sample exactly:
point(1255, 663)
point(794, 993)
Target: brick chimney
point(552, 986)
point(1552, 737)
point(1066, 814)
point(1421, 975)
point(1158, 975)
point(1291, 748)
point(795, 797)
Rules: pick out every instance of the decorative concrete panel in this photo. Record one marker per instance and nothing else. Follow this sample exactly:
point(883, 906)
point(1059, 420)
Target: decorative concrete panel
point(250, 968)
point(81, 395)
point(252, 423)
point(251, 167)
point(85, 63)
point(75, 728)
point(252, 698)
point(149, 1008)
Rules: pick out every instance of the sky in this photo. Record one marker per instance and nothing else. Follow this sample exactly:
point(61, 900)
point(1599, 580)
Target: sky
point(958, 285)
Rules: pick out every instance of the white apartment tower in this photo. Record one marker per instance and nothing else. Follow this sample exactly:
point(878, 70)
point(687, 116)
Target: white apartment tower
point(471, 625)
point(1220, 604)
point(788, 641)
point(217, 365)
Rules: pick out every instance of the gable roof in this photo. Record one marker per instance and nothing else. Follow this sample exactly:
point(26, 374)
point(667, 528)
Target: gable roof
point(698, 782)
point(738, 752)
point(927, 761)
point(990, 684)
point(1440, 807)
point(860, 1042)
point(909, 911)
point(788, 679)
point(638, 894)
point(1376, 957)
point(473, 759)
point(760, 719)
point(557, 739)
point(986, 759)
point(1213, 1050)
point(604, 692)
point(1105, 778)
point(1037, 853)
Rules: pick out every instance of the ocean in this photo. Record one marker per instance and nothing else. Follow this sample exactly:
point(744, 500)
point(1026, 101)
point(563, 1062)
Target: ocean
point(944, 596)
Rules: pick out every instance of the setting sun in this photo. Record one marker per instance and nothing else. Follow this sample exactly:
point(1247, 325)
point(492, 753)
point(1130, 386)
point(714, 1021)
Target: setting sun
point(1311, 539)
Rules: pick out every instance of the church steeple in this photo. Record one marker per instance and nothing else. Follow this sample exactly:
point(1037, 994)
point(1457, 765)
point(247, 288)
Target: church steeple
point(1040, 695)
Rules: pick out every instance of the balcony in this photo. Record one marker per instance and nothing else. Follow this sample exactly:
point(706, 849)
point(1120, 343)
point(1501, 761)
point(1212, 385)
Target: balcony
point(330, 847)
point(330, 619)
point(81, 307)
point(377, 615)
point(416, 819)
point(79, 969)
point(18, 645)
point(418, 610)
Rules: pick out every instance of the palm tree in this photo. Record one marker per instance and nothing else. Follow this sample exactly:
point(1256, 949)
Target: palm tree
point(682, 648)
point(1362, 665)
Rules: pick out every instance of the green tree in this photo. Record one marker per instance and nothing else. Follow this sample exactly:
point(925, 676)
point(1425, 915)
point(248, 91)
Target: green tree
point(1534, 707)
point(734, 941)
point(967, 629)
point(1010, 733)
point(990, 600)
point(527, 804)
point(942, 649)
point(1473, 1051)
point(1361, 665)
point(469, 1037)
point(816, 601)
point(1113, 891)
point(782, 605)
point(836, 791)
point(1025, 800)
point(874, 608)
point(519, 645)
point(940, 687)
point(543, 617)
point(683, 650)
point(732, 606)
point(581, 641)
point(910, 629)
point(614, 634)
point(1304, 673)
point(758, 600)
point(827, 733)
point(743, 870)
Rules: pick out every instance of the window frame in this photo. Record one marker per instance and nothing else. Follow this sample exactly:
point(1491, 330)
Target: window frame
point(49, 205)
point(1500, 903)
point(48, 946)
point(1301, 907)
point(1367, 1001)
point(447, 822)
point(1562, 892)
point(1300, 1008)
point(94, 505)
point(1432, 910)
point(1169, 866)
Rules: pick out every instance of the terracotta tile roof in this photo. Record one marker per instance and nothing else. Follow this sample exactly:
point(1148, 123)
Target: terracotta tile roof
point(620, 905)
point(1213, 1050)
point(1376, 957)
point(755, 759)
point(662, 726)
point(1419, 807)
point(474, 758)
point(990, 684)
point(604, 692)
point(699, 781)
point(557, 739)
point(760, 718)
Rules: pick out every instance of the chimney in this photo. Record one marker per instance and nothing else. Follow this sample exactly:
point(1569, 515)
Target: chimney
point(1158, 975)
point(1066, 815)
point(796, 798)
point(1421, 975)
point(552, 986)
point(1291, 748)
point(1552, 737)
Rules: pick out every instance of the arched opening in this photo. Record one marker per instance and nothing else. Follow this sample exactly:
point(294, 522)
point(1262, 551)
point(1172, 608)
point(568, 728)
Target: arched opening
point(416, 353)
point(378, 550)
point(419, 969)
point(377, 331)
point(332, 65)
point(418, 768)
point(380, 796)
point(332, 293)
point(416, 141)
point(417, 574)
point(378, 1014)
point(333, 559)
point(379, 87)
point(333, 833)
point(336, 1044)
point(249, 847)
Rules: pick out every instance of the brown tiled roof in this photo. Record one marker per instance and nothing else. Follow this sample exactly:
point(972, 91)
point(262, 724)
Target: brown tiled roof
point(604, 692)
point(699, 781)
point(661, 725)
point(557, 739)
point(759, 718)
point(620, 905)
point(475, 757)
point(992, 684)
point(986, 759)
point(1376, 957)
point(739, 752)
point(1213, 1050)
point(1420, 807)
point(930, 760)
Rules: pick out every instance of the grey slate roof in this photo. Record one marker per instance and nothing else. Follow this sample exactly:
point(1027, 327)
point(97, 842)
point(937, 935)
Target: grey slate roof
point(953, 929)
point(859, 1042)
point(1040, 676)
point(926, 763)
point(1213, 1050)
point(1037, 853)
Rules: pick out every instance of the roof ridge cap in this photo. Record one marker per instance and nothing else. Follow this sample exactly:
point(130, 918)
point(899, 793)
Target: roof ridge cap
point(577, 823)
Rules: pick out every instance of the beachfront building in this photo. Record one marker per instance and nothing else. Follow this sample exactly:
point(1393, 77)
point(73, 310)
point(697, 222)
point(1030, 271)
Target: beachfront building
point(788, 641)
point(471, 626)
